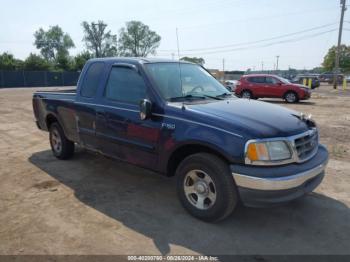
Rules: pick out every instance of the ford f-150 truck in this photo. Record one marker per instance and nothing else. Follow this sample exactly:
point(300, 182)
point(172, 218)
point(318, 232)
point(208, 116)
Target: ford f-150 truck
point(176, 119)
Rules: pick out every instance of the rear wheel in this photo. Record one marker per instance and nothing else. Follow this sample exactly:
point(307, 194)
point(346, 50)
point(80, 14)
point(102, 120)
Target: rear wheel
point(246, 94)
point(291, 97)
point(61, 147)
point(206, 187)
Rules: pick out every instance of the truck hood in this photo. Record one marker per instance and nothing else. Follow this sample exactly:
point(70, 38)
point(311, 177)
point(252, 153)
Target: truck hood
point(251, 118)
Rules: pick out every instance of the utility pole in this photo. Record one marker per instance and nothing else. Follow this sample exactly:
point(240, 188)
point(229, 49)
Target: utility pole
point(178, 46)
point(337, 55)
point(223, 68)
point(262, 66)
point(277, 57)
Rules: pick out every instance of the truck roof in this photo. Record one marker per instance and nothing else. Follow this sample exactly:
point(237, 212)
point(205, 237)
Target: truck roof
point(141, 60)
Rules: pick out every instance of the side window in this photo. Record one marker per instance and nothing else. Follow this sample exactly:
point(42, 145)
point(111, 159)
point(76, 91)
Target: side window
point(257, 79)
point(252, 79)
point(126, 85)
point(92, 79)
point(261, 80)
point(270, 80)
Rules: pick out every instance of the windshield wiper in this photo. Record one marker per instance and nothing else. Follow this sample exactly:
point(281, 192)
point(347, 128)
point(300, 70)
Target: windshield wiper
point(224, 95)
point(214, 97)
point(186, 97)
point(194, 97)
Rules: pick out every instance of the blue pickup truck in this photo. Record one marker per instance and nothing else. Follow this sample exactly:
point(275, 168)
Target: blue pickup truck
point(176, 119)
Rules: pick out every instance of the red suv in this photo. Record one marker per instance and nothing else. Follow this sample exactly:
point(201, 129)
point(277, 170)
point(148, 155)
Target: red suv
point(258, 86)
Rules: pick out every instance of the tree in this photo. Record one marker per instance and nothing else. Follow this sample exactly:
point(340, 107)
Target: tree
point(64, 62)
point(80, 60)
point(9, 62)
point(317, 70)
point(98, 41)
point(196, 60)
point(138, 40)
point(344, 58)
point(53, 43)
point(36, 63)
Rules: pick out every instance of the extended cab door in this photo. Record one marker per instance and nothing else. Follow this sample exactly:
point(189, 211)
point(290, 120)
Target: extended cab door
point(86, 104)
point(118, 125)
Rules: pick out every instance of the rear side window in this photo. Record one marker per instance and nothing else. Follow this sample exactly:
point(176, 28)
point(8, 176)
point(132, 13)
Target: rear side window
point(125, 85)
point(256, 79)
point(92, 79)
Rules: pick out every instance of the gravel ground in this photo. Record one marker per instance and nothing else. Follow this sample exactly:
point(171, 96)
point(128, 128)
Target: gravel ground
point(95, 205)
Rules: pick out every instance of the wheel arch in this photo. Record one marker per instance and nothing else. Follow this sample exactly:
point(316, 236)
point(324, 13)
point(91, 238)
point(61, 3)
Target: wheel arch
point(53, 118)
point(50, 119)
point(190, 148)
point(248, 90)
point(290, 91)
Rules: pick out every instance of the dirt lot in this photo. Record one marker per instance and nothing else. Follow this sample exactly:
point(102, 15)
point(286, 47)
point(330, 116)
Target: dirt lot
point(94, 205)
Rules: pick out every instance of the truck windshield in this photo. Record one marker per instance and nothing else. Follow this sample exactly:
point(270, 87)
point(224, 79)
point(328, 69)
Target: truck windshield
point(195, 83)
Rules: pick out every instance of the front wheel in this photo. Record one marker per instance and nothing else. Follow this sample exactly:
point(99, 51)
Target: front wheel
point(61, 147)
point(206, 187)
point(291, 97)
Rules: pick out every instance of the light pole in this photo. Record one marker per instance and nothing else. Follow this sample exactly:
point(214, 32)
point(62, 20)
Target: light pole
point(277, 58)
point(337, 54)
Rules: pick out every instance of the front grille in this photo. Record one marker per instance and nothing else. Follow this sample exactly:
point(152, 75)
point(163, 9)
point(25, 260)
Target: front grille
point(306, 146)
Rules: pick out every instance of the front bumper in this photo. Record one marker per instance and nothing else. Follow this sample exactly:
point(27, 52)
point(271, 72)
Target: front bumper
point(306, 96)
point(261, 186)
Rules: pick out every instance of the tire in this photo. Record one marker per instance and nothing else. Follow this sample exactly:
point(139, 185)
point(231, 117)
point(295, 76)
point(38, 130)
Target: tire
point(246, 94)
point(61, 147)
point(205, 176)
point(291, 97)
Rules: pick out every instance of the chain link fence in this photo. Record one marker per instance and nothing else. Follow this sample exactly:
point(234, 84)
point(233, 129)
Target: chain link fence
point(37, 78)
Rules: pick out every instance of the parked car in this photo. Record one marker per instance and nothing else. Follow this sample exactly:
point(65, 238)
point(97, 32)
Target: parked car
point(231, 85)
point(272, 86)
point(299, 79)
point(221, 149)
point(329, 77)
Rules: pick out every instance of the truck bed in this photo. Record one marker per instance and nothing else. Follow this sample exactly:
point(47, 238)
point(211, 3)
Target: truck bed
point(56, 94)
point(72, 90)
point(59, 104)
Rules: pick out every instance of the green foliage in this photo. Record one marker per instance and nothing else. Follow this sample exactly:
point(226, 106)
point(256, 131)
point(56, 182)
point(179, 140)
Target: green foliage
point(80, 60)
point(8, 62)
point(317, 70)
point(98, 41)
point(344, 59)
point(53, 43)
point(196, 60)
point(63, 63)
point(138, 40)
point(36, 63)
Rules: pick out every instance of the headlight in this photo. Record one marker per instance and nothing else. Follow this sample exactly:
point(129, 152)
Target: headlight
point(267, 151)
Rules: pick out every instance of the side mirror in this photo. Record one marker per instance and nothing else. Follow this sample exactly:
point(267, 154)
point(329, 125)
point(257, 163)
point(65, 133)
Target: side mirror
point(145, 109)
point(279, 83)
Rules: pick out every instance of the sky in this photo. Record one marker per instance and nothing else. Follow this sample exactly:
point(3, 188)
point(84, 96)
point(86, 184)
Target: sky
point(234, 34)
